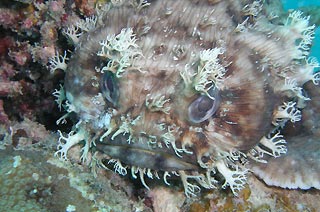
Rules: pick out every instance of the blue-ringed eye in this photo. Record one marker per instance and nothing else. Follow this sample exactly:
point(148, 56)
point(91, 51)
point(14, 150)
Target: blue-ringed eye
point(110, 88)
point(204, 107)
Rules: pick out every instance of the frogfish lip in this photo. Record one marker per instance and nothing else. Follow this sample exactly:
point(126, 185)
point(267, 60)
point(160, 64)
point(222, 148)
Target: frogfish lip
point(142, 154)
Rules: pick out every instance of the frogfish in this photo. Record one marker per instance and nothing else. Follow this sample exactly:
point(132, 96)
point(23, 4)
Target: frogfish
point(209, 91)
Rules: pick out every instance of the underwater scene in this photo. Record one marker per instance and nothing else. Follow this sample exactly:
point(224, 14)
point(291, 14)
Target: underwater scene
point(159, 105)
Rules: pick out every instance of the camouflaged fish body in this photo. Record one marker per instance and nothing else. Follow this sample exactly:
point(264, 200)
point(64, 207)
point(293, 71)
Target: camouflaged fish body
point(187, 88)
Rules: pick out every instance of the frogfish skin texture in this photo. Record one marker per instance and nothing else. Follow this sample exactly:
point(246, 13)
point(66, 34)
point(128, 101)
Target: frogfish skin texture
point(197, 89)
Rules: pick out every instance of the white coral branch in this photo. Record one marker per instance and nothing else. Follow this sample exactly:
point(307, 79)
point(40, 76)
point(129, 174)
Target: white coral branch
point(242, 27)
point(73, 33)
point(165, 175)
point(120, 52)
point(70, 107)
point(118, 167)
point(190, 189)
point(140, 4)
point(142, 172)
point(274, 146)
point(60, 96)
point(308, 72)
point(299, 26)
point(169, 138)
point(87, 24)
point(253, 9)
point(126, 127)
point(235, 179)
point(291, 84)
point(285, 112)
point(187, 76)
point(157, 103)
point(209, 72)
point(58, 62)
point(104, 120)
point(85, 151)
point(65, 143)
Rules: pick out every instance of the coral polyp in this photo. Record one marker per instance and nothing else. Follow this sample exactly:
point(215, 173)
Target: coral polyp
point(196, 89)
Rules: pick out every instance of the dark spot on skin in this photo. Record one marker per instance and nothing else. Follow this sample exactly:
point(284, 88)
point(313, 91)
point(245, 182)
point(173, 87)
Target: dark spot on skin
point(159, 50)
point(201, 140)
point(162, 75)
point(160, 162)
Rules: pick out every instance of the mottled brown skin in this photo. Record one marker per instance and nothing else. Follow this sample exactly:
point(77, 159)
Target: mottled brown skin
point(252, 102)
point(245, 112)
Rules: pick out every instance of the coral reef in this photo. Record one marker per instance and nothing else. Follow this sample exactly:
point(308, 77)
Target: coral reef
point(219, 99)
point(35, 181)
point(27, 185)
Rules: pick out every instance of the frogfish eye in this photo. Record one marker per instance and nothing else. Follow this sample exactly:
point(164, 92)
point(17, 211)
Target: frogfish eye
point(110, 88)
point(204, 107)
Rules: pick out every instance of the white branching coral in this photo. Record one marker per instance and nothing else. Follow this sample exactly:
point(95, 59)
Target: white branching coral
point(295, 79)
point(298, 28)
point(286, 112)
point(308, 72)
point(120, 52)
point(190, 189)
point(290, 84)
point(300, 22)
point(142, 171)
point(87, 24)
point(274, 146)
point(169, 138)
point(60, 96)
point(104, 120)
point(58, 62)
point(253, 9)
point(235, 178)
point(187, 76)
point(227, 165)
point(65, 143)
point(70, 108)
point(72, 33)
point(126, 126)
point(157, 103)
point(242, 27)
point(118, 167)
point(140, 4)
point(209, 72)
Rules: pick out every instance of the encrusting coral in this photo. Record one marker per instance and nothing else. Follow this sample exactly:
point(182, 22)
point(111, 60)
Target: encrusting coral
point(196, 89)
